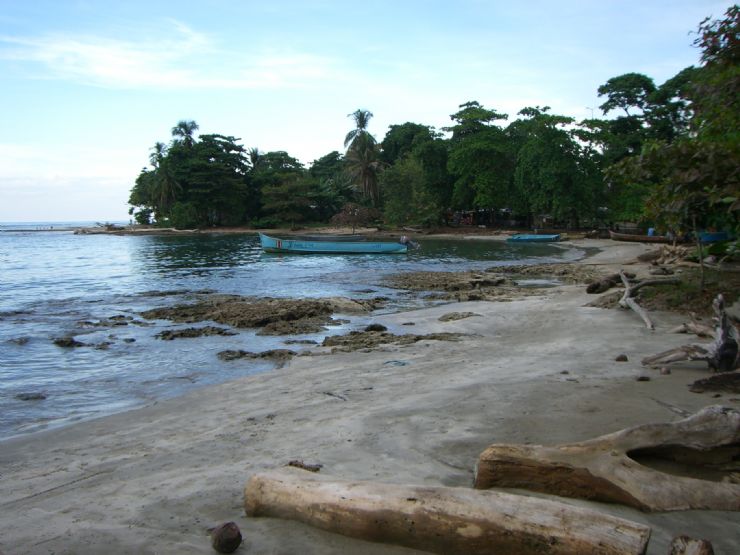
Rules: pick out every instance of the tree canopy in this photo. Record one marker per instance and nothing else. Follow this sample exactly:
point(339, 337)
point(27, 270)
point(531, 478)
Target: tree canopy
point(662, 154)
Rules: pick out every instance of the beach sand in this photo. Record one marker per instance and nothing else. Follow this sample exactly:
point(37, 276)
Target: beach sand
point(539, 369)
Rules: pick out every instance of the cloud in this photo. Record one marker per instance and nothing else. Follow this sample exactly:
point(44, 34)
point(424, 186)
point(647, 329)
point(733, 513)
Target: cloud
point(183, 60)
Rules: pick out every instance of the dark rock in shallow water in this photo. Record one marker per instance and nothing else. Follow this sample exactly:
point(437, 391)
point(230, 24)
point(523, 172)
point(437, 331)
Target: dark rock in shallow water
point(452, 316)
point(226, 538)
point(296, 327)
point(30, 396)
point(274, 316)
point(68, 342)
point(19, 340)
point(280, 355)
point(376, 327)
point(362, 340)
point(169, 335)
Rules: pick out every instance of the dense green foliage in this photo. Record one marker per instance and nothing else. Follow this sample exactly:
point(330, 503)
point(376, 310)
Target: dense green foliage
point(692, 178)
point(663, 154)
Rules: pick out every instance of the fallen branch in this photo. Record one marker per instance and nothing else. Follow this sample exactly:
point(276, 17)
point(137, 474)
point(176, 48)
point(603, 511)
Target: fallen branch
point(605, 283)
point(606, 468)
point(441, 519)
point(686, 352)
point(698, 329)
point(721, 355)
point(630, 290)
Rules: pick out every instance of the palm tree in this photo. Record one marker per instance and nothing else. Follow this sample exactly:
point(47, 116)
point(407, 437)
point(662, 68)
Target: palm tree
point(166, 188)
point(255, 158)
point(362, 118)
point(159, 151)
point(183, 132)
point(361, 160)
point(363, 166)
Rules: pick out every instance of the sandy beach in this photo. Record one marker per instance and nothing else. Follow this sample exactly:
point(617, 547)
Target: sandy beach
point(539, 369)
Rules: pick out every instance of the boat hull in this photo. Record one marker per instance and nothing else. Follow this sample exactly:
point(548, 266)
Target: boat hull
point(639, 238)
point(302, 246)
point(530, 238)
point(713, 236)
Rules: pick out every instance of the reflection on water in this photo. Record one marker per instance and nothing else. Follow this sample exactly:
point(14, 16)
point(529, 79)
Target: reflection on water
point(59, 284)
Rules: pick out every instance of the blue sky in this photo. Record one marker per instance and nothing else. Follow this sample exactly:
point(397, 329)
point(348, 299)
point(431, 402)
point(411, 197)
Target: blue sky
point(88, 86)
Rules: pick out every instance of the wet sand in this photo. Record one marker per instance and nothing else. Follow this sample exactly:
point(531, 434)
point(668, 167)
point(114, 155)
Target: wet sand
point(538, 369)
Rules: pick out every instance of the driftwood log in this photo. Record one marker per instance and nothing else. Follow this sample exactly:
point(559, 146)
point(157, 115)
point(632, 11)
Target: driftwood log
point(605, 468)
point(630, 290)
point(695, 327)
point(604, 284)
point(722, 355)
point(441, 519)
point(684, 545)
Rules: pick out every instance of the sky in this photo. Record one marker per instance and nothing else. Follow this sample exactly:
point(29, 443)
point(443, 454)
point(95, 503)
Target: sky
point(88, 86)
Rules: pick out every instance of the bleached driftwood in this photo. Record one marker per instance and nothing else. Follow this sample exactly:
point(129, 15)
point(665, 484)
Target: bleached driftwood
point(721, 355)
point(630, 290)
point(604, 469)
point(441, 519)
point(694, 326)
point(605, 283)
point(684, 545)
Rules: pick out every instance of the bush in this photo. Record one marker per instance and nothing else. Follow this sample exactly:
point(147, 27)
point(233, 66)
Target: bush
point(183, 216)
point(266, 222)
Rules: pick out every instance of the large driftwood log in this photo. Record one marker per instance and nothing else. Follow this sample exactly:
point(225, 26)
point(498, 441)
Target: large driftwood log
point(721, 355)
point(605, 469)
point(441, 519)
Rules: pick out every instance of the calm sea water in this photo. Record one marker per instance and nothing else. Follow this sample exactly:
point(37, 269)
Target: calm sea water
point(56, 284)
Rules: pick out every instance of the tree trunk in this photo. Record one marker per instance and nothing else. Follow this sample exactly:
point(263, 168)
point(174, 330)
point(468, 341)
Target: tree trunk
point(441, 519)
point(700, 252)
point(606, 468)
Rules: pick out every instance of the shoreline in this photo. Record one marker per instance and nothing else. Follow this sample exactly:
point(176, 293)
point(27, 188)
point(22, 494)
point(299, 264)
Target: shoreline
point(155, 478)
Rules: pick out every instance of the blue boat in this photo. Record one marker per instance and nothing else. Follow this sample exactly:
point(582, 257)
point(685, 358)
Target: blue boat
point(531, 238)
point(713, 236)
point(332, 245)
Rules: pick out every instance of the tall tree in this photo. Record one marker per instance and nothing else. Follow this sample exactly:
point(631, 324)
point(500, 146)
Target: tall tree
point(159, 151)
point(479, 158)
point(363, 166)
point(628, 91)
point(362, 159)
point(184, 132)
point(400, 140)
point(361, 118)
point(551, 172)
point(695, 180)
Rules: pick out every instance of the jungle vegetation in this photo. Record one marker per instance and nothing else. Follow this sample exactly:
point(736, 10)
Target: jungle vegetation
point(663, 154)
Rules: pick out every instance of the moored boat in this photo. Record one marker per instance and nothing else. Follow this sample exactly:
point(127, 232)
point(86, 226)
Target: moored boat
point(634, 238)
point(332, 245)
point(534, 238)
point(713, 236)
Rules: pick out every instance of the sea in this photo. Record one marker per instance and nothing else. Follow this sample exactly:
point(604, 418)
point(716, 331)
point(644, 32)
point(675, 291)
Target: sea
point(93, 288)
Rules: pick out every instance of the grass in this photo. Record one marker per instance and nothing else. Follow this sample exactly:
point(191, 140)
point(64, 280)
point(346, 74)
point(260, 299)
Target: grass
point(687, 296)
